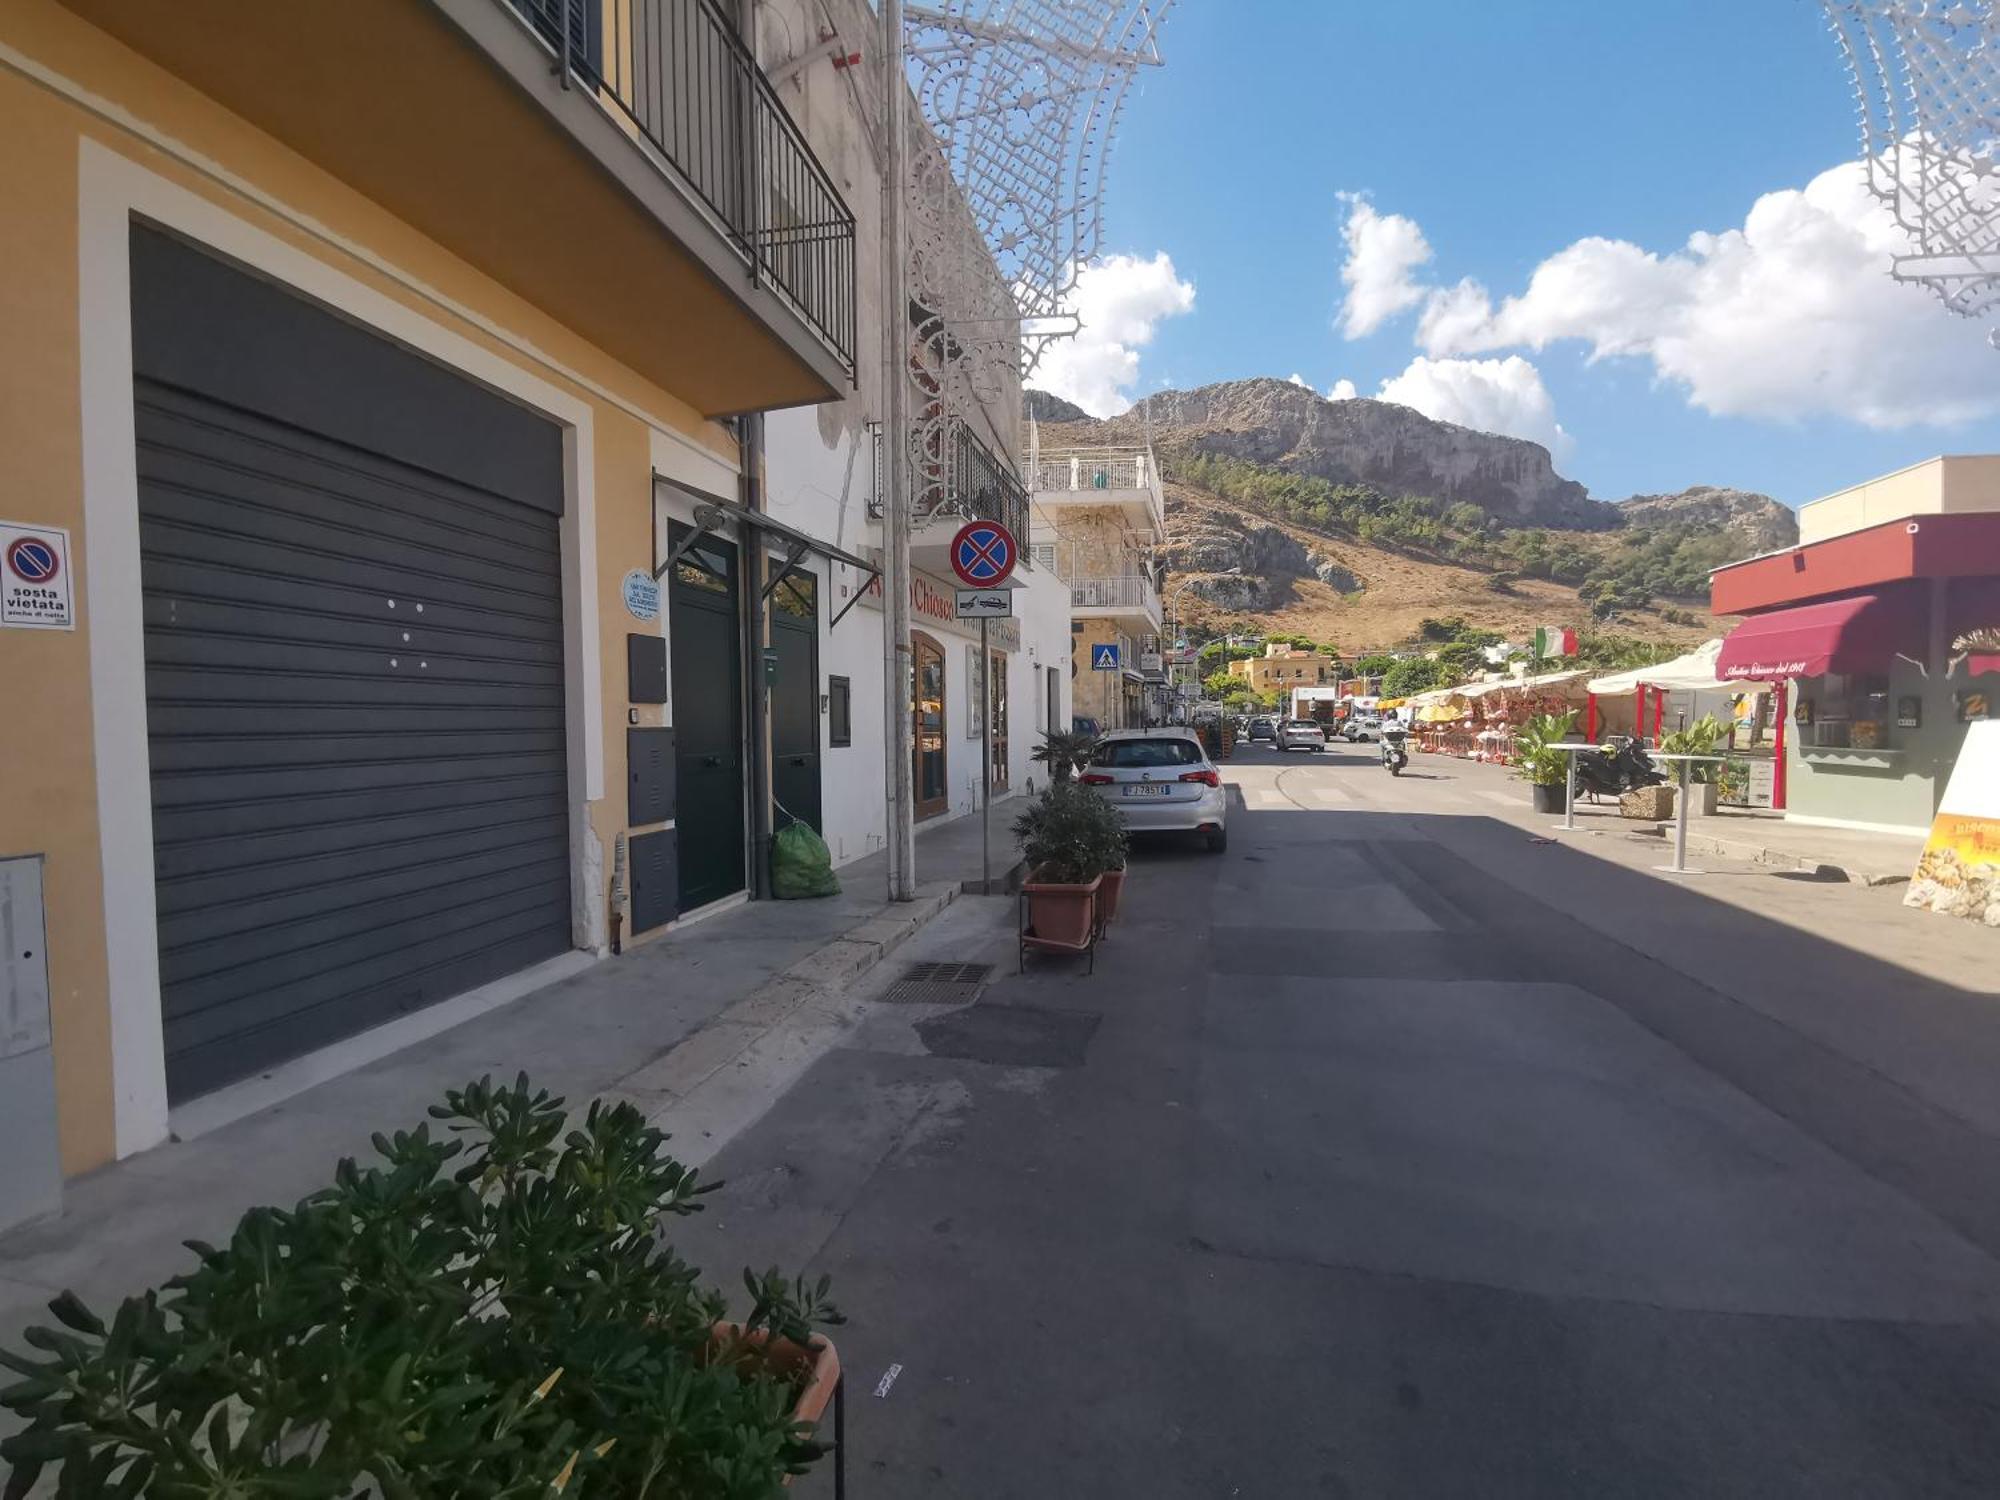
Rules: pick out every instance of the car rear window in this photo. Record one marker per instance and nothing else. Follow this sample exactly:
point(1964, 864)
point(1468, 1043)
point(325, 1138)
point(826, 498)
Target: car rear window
point(1300, 724)
point(1137, 754)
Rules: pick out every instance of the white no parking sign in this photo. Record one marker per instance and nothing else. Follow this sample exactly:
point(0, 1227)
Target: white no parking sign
point(34, 578)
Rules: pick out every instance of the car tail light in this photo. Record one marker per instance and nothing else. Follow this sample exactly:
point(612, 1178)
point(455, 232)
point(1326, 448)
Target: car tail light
point(1094, 778)
point(1206, 778)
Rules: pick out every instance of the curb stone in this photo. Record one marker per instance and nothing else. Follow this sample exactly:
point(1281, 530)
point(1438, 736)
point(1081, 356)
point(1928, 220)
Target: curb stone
point(725, 1037)
point(1778, 859)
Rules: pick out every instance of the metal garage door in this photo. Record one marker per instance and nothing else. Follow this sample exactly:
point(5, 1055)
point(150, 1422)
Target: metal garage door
point(354, 681)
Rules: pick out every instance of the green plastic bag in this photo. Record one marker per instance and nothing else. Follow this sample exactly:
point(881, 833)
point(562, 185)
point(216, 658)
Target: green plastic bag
point(801, 865)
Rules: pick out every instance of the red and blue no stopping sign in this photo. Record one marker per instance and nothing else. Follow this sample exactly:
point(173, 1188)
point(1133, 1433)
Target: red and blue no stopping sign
point(983, 554)
point(33, 560)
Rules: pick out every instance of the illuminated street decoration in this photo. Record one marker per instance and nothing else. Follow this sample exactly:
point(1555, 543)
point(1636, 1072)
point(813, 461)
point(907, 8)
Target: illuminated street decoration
point(1022, 99)
point(1927, 80)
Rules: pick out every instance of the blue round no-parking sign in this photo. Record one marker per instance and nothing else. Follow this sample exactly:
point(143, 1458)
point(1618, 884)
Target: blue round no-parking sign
point(983, 554)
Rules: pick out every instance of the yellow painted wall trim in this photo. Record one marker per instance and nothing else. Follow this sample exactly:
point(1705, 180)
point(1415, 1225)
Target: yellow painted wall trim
point(120, 118)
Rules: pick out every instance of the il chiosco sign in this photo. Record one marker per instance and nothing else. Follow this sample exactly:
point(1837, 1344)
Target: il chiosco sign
point(937, 603)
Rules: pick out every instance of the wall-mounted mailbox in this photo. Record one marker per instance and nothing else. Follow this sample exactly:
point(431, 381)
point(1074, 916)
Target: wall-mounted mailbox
point(646, 668)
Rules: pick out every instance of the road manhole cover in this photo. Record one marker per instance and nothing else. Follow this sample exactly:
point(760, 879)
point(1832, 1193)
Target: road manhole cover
point(938, 984)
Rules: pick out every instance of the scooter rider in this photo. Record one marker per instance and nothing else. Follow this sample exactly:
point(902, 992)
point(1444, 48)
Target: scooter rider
point(1394, 756)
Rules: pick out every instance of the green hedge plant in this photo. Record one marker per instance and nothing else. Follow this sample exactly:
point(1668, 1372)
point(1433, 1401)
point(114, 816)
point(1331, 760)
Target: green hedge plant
point(485, 1312)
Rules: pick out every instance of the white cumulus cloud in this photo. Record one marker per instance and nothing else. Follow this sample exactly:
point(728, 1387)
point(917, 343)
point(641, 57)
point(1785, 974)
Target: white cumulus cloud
point(1383, 254)
point(1298, 379)
point(1792, 315)
point(1119, 303)
point(1341, 390)
point(1491, 395)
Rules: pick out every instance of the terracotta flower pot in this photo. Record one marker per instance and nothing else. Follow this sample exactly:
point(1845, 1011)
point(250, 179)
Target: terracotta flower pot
point(1111, 886)
point(1063, 915)
point(816, 1366)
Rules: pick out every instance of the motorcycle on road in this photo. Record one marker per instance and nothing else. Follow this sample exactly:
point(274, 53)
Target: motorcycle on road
point(1394, 756)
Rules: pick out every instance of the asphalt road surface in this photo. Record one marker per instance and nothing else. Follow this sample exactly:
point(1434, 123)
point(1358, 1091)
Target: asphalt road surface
point(1361, 1167)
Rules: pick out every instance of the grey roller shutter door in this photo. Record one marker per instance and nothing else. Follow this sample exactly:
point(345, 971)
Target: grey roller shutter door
point(354, 686)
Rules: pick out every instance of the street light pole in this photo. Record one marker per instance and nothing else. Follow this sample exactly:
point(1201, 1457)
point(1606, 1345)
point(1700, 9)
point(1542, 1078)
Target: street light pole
point(898, 686)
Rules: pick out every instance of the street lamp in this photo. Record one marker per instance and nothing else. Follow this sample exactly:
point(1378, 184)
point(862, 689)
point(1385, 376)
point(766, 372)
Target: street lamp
point(1173, 610)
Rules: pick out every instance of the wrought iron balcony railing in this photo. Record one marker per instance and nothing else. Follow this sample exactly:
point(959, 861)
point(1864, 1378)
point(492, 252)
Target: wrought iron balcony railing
point(681, 76)
point(968, 481)
point(1130, 592)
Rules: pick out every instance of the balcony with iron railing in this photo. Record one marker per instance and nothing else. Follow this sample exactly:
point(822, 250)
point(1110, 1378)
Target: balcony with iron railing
point(971, 483)
point(621, 167)
point(1124, 477)
point(681, 76)
point(1129, 597)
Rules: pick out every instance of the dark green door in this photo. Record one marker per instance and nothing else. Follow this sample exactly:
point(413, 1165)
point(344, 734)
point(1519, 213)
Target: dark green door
point(795, 700)
point(708, 719)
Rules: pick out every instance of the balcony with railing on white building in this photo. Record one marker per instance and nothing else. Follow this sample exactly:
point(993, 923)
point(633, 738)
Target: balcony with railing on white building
point(1126, 597)
point(1127, 478)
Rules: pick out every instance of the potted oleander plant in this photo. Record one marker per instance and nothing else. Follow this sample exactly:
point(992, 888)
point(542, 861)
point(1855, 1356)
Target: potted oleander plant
point(1540, 765)
point(488, 1310)
point(1069, 838)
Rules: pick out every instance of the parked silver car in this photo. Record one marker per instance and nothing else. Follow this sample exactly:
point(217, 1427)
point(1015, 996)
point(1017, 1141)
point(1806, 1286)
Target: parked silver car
point(1161, 780)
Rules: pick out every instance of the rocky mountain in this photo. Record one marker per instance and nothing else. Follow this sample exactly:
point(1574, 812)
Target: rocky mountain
point(1400, 451)
point(1279, 425)
point(1762, 524)
point(1043, 407)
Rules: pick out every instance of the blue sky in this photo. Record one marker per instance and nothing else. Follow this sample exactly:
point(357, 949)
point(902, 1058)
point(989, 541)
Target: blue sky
point(1502, 132)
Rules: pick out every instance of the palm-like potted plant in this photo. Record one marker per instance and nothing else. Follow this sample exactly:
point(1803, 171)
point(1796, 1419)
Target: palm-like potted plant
point(1065, 752)
point(1069, 837)
point(1704, 776)
point(488, 1311)
point(1539, 764)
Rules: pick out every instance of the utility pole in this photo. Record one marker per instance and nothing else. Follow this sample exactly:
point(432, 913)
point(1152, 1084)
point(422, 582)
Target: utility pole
point(898, 738)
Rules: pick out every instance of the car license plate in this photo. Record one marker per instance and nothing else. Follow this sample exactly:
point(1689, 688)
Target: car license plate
point(1146, 789)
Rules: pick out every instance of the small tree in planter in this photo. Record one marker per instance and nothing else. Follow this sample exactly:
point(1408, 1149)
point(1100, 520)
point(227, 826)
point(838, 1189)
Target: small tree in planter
point(490, 1316)
point(1540, 766)
point(1069, 836)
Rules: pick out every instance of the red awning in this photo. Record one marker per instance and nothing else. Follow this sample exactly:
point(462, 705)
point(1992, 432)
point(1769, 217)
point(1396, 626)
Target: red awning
point(1857, 633)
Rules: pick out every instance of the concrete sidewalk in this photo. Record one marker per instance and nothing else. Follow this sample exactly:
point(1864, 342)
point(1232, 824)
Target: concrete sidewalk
point(702, 1026)
point(1770, 839)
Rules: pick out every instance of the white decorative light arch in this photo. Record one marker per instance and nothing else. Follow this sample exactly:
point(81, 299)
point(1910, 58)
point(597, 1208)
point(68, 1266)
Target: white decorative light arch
point(1927, 83)
point(1022, 100)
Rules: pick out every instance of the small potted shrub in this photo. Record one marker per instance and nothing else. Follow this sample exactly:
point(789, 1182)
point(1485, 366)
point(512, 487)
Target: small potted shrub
point(1066, 837)
point(1704, 777)
point(1543, 768)
point(490, 1311)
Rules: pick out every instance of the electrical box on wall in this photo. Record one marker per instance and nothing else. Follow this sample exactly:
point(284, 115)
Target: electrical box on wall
point(30, 1169)
point(655, 879)
point(649, 761)
point(646, 668)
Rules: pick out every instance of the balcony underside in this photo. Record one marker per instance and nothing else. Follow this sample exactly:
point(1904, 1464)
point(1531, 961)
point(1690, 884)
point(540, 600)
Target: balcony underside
point(449, 114)
point(1135, 506)
point(1133, 615)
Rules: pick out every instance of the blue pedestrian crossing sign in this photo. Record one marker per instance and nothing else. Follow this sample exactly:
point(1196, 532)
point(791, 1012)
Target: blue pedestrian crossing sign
point(1104, 658)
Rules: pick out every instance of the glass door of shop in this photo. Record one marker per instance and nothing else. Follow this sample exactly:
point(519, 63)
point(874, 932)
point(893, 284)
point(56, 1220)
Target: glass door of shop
point(996, 708)
point(933, 792)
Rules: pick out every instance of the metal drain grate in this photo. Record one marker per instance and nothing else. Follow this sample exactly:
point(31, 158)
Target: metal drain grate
point(938, 984)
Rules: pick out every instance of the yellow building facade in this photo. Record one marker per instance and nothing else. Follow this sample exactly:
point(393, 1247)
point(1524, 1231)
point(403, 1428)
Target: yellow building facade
point(1282, 668)
point(413, 185)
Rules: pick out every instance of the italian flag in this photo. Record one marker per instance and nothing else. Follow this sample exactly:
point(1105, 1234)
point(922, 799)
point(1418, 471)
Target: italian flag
point(1554, 640)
